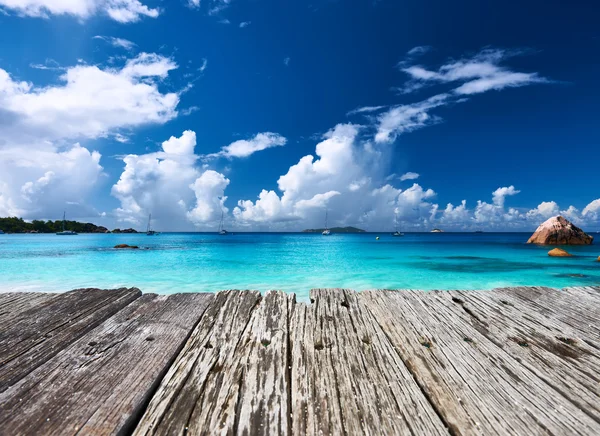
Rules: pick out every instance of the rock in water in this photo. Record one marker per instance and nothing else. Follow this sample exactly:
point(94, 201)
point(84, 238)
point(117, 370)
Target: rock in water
point(127, 246)
point(559, 252)
point(558, 231)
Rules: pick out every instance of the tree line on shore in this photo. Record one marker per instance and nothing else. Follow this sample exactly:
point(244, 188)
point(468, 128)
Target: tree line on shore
point(19, 225)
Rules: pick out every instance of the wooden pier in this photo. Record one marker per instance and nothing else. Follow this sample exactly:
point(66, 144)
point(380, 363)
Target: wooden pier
point(520, 361)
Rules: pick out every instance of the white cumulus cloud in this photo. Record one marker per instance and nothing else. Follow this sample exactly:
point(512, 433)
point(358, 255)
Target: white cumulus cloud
point(500, 194)
point(592, 210)
point(90, 101)
point(347, 178)
point(544, 210)
point(495, 215)
point(209, 190)
point(170, 185)
point(39, 180)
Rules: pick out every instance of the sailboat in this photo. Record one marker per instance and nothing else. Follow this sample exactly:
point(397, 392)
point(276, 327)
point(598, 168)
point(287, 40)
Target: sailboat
point(222, 231)
point(396, 233)
point(149, 230)
point(326, 232)
point(65, 232)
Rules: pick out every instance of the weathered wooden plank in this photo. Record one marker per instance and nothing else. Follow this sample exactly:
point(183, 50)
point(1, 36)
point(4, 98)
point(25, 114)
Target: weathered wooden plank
point(13, 304)
point(263, 401)
point(588, 296)
point(591, 291)
point(346, 376)
point(101, 383)
point(202, 390)
point(474, 383)
point(42, 331)
point(312, 400)
point(547, 347)
point(572, 307)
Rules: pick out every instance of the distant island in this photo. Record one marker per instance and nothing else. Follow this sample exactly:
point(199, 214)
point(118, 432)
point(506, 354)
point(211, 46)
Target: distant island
point(336, 230)
point(19, 225)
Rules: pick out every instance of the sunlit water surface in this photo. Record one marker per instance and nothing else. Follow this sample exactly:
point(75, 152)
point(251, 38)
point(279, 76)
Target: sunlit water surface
point(195, 262)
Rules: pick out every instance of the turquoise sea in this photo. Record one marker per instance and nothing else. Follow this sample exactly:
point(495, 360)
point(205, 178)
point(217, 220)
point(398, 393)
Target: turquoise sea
point(293, 262)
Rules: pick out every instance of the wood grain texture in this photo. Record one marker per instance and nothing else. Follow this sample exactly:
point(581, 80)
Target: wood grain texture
point(346, 375)
point(42, 331)
point(264, 401)
point(101, 383)
point(13, 304)
point(574, 307)
point(547, 347)
point(507, 361)
point(202, 390)
point(474, 382)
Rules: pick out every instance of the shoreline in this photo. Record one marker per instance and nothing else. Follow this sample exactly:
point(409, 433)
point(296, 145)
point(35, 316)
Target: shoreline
point(262, 290)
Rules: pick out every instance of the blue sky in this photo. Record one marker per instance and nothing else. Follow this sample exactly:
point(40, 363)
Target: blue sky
point(492, 104)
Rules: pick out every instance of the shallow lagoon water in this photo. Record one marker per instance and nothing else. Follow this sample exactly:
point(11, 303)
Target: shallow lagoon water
point(293, 262)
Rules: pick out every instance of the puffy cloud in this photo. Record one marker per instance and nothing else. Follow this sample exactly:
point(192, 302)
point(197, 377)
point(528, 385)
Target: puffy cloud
point(170, 185)
point(592, 210)
point(484, 214)
point(245, 24)
point(495, 216)
point(117, 42)
point(123, 11)
point(91, 102)
point(184, 145)
point(286, 61)
point(409, 176)
point(357, 184)
point(544, 210)
point(41, 180)
point(573, 215)
point(209, 189)
point(500, 194)
point(246, 147)
point(41, 172)
point(319, 200)
point(459, 215)
point(345, 177)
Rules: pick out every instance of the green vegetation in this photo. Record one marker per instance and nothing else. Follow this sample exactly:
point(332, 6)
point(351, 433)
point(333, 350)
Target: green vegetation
point(18, 225)
point(336, 230)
